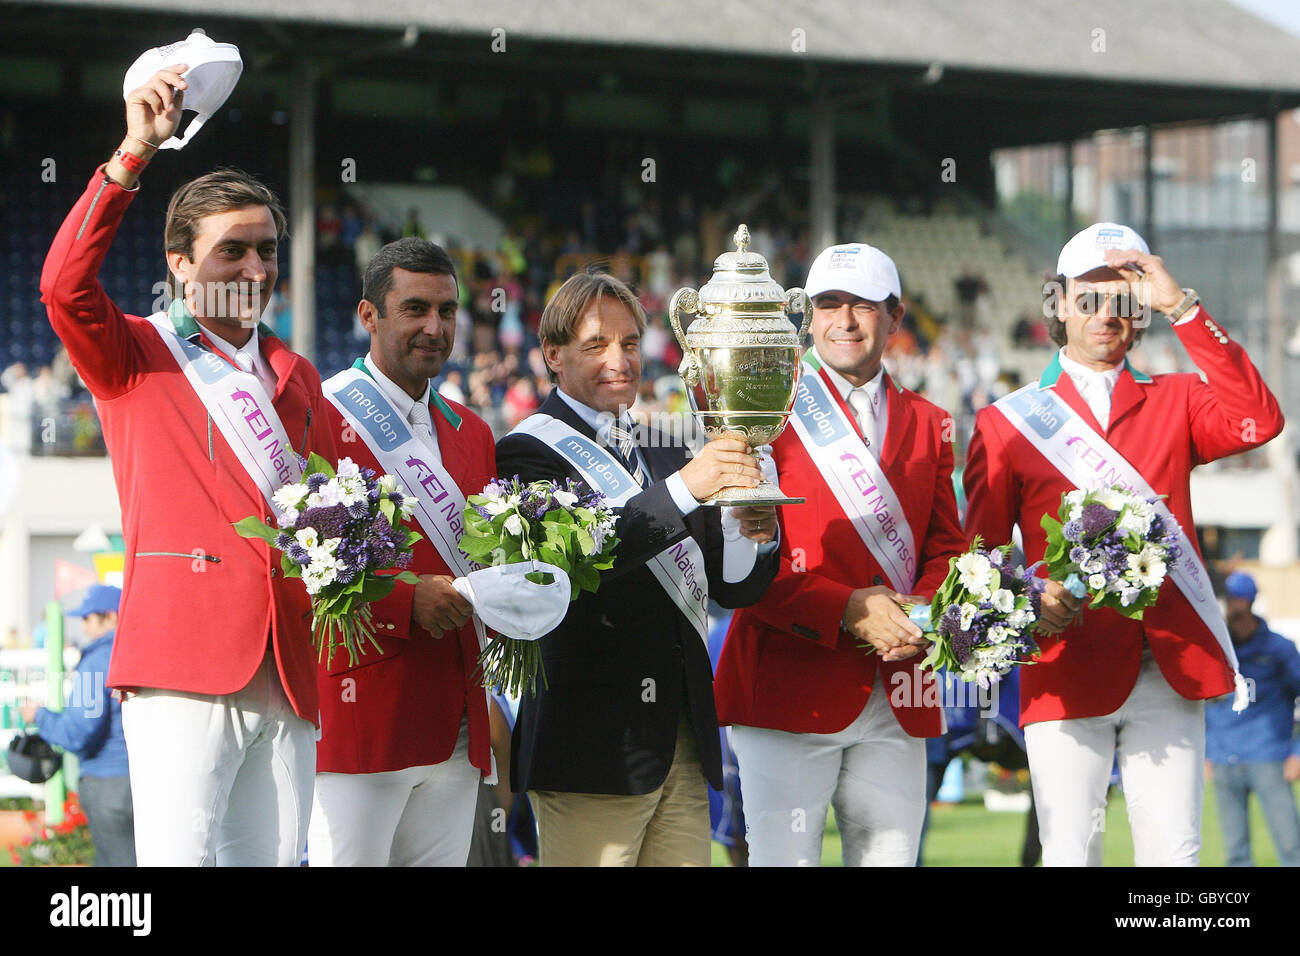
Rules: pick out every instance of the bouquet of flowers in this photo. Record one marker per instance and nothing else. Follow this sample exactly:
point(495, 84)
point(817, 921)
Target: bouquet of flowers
point(981, 616)
point(337, 531)
point(61, 844)
point(1111, 544)
point(570, 526)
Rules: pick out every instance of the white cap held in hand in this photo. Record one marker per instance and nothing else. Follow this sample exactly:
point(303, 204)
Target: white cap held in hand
point(214, 69)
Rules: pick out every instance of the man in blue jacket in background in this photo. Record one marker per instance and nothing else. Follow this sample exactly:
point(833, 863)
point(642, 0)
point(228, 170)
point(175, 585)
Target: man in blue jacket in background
point(90, 726)
point(1255, 750)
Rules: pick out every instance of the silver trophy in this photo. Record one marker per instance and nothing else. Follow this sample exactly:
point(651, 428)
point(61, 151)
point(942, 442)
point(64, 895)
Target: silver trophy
point(743, 353)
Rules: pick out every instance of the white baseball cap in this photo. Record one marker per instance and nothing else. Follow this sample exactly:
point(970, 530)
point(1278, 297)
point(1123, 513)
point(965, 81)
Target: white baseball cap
point(1087, 249)
point(512, 605)
point(213, 70)
point(856, 268)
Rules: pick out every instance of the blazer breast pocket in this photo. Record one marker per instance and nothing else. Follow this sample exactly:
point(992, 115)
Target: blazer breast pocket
point(339, 665)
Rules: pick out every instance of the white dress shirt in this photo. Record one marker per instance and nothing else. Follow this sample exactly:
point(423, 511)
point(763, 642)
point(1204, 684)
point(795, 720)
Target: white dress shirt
point(869, 404)
point(1094, 386)
point(248, 357)
point(414, 413)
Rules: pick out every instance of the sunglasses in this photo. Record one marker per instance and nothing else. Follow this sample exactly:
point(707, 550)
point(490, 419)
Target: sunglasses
point(1122, 305)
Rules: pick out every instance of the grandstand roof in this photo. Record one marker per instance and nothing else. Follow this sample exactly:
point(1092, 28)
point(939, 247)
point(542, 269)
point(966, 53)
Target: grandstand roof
point(1201, 43)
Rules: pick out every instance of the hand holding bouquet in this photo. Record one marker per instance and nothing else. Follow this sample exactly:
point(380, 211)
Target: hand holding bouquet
point(337, 530)
point(1111, 544)
point(981, 616)
point(569, 526)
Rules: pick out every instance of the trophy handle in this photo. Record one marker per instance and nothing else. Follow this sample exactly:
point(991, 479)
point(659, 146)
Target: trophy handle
point(796, 300)
point(685, 301)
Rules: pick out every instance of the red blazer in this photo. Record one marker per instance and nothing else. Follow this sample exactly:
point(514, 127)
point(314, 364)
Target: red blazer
point(1164, 426)
point(786, 663)
point(200, 602)
point(403, 708)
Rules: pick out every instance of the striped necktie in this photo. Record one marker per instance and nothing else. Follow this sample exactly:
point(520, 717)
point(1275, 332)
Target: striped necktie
point(621, 439)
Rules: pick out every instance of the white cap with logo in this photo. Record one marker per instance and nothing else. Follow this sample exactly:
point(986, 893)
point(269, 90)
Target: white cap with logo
point(1086, 251)
point(856, 268)
point(512, 605)
point(214, 69)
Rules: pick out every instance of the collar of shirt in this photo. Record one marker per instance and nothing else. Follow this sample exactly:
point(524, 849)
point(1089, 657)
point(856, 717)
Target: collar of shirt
point(402, 402)
point(598, 421)
point(872, 388)
point(1084, 377)
point(253, 348)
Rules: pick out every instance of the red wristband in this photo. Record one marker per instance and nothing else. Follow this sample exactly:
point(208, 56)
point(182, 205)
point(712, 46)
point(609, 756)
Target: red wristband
point(133, 163)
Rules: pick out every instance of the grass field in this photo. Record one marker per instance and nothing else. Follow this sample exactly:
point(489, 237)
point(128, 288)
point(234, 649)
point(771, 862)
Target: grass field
point(966, 834)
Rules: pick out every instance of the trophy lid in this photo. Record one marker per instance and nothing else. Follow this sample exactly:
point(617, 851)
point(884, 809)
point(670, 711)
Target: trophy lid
point(741, 276)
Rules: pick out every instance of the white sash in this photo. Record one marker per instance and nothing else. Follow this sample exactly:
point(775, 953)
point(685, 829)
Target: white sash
point(241, 409)
point(1086, 459)
point(855, 478)
point(440, 510)
point(679, 568)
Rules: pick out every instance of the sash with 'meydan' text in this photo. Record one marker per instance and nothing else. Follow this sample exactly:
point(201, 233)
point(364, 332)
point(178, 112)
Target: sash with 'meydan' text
point(679, 568)
point(855, 478)
point(1086, 460)
point(241, 409)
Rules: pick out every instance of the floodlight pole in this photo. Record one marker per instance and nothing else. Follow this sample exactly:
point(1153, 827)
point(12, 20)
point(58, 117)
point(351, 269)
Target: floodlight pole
point(302, 211)
point(1148, 187)
point(822, 173)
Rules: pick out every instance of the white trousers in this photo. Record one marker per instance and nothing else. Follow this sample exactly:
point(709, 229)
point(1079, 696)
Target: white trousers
point(872, 772)
point(1160, 738)
point(419, 816)
point(220, 781)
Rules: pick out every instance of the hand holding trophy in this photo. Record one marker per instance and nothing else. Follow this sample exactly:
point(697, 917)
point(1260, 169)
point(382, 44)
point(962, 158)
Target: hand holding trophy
point(742, 355)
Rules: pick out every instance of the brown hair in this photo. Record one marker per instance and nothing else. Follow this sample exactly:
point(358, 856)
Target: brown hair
point(571, 301)
point(213, 193)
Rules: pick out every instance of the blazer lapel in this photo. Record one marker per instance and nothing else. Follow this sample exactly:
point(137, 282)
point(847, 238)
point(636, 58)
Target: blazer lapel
point(281, 359)
point(1127, 396)
point(1070, 395)
point(900, 422)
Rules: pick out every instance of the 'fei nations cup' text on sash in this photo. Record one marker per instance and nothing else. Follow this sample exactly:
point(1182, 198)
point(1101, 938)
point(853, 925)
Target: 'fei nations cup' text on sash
point(855, 478)
point(1087, 460)
point(241, 409)
point(679, 568)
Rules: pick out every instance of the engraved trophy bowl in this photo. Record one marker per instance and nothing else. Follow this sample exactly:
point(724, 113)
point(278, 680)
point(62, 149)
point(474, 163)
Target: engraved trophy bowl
point(742, 357)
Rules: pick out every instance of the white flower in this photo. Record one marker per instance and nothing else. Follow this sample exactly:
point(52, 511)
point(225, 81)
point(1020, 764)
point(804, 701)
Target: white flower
point(975, 571)
point(1075, 497)
point(387, 484)
point(1020, 619)
point(347, 469)
point(408, 505)
point(997, 634)
point(1148, 566)
point(968, 612)
point(1112, 499)
point(1097, 581)
point(307, 538)
point(514, 525)
point(288, 497)
point(1135, 522)
point(288, 519)
point(566, 499)
point(328, 495)
point(495, 506)
point(1004, 600)
point(352, 490)
point(1076, 512)
point(1129, 596)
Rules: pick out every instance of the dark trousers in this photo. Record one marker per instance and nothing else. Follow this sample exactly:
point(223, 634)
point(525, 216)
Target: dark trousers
point(107, 803)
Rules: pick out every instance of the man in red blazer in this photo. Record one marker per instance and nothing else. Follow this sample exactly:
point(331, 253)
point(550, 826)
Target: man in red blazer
point(1108, 685)
point(817, 719)
point(404, 732)
point(213, 647)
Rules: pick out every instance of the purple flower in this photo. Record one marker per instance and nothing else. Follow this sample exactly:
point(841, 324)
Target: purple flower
point(482, 512)
point(358, 510)
point(329, 522)
point(996, 557)
point(963, 643)
point(1078, 555)
point(1072, 531)
point(317, 481)
point(283, 540)
point(1096, 519)
point(298, 554)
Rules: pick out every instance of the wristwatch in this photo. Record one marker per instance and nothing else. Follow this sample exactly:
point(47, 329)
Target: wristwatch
point(1190, 298)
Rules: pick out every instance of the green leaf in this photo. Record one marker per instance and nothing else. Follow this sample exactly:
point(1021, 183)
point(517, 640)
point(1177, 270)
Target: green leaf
point(407, 577)
point(318, 465)
point(376, 588)
point(253, 527)
point(388, 510)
